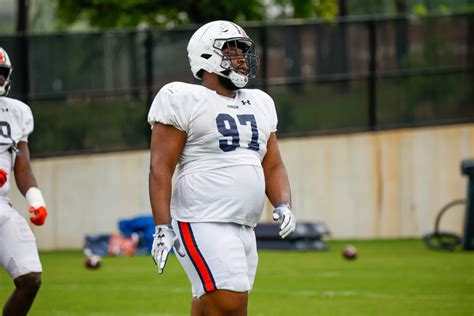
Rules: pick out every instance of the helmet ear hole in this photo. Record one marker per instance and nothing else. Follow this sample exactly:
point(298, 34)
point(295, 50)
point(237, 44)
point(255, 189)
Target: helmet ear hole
point(206, 56)
point(199, 73)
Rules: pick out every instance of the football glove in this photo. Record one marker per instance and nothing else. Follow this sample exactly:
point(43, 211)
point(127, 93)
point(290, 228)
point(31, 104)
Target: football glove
point(39, 216)
point(164, 239)
point(3, 177)
point(283, 214)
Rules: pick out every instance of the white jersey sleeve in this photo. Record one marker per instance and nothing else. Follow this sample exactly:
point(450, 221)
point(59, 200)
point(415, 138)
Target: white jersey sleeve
point(16, 121)
point(170, 107)
point(269, 108)
point(27, 122)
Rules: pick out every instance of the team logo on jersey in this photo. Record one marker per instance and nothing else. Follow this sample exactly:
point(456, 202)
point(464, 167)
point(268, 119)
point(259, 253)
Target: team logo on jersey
point(3, 177)
point(244, 102)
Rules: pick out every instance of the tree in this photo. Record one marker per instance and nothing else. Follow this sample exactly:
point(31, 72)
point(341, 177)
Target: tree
point(300, 9)
point(130, 13)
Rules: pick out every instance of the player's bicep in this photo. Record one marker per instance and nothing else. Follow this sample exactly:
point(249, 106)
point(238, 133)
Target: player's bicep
point(167, 143)
point(276, 178)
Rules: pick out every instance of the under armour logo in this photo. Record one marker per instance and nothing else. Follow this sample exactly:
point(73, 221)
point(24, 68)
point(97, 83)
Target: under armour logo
point(245, 102)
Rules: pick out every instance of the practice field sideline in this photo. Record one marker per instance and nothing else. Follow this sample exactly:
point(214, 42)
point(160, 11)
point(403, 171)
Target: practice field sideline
point(389, 277)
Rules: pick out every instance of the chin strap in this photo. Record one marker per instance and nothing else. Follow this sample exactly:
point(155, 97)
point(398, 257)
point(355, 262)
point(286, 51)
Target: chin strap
point(238, 79)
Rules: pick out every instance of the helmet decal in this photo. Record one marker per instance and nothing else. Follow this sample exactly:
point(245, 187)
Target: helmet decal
point(240, 30)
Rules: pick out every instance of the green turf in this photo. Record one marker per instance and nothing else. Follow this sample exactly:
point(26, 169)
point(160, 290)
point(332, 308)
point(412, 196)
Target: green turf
point(390, 277)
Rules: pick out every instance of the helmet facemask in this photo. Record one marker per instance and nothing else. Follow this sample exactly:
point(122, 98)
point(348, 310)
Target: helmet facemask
point(239, 60)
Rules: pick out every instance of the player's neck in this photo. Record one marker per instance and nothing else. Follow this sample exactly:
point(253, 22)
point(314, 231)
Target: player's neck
point(225, 92)
point(212, 83)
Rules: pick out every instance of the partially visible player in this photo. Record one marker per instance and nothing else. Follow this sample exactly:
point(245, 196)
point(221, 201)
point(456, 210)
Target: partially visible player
point(18, 251)
point(223, 137)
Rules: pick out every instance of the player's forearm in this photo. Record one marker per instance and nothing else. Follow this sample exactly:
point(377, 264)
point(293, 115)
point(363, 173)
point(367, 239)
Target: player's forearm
point(24, 176)
point(160, 196)
point(25, 179)
point(277, 186)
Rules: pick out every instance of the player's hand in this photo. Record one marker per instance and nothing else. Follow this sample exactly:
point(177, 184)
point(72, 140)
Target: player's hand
point(288, 221)
point(39, 215)
point(164, 239)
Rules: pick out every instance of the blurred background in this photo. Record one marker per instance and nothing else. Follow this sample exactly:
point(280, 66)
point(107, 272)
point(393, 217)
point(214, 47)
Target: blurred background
point(374, 98)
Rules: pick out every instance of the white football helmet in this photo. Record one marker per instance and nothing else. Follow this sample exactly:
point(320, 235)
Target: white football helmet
point(6, 70)
point(205, 52)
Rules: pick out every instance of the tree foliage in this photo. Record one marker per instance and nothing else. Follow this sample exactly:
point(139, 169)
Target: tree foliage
point(325, 9)
point(129, 13)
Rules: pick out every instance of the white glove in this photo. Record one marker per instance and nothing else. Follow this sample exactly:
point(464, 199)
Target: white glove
point(288, 220)
point(164, 239)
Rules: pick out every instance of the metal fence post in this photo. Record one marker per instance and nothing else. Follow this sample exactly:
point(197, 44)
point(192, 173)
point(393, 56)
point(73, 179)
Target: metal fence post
point(149, 66)
point(22, 49)
point(264, 59)
point(372, 75)
point(467, 168)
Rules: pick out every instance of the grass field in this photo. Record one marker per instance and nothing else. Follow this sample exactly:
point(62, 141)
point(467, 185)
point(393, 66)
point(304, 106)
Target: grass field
point(390, 277)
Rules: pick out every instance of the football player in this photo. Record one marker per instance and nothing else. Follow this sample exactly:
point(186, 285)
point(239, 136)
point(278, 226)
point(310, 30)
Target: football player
point(222, 137)
point(18, 251)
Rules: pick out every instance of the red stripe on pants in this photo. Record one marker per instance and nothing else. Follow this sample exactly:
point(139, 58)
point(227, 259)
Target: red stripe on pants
point(196, 257)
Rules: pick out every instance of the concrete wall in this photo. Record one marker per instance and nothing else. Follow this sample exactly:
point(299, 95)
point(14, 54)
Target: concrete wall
point(368, 185)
